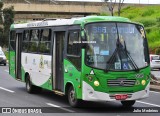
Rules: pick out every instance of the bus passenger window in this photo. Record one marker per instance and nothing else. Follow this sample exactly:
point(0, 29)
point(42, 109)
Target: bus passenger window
point(25, 41)
point(34, 35)
point(45, 41)
point(73, 45)
point(34, 40)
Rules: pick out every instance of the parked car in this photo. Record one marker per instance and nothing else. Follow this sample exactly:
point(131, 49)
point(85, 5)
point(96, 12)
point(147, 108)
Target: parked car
point(155, 61)
point(2, 57)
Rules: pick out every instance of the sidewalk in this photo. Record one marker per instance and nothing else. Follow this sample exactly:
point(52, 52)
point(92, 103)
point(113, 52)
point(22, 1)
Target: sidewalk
point(155, 88)
point(155, 84)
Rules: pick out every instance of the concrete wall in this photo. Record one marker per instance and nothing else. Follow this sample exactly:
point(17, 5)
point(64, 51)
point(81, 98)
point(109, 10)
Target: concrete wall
point(67, 7)
point(41, 10)
point(46, 9)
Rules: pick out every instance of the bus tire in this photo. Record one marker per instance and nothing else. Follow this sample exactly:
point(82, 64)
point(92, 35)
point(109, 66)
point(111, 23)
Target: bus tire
point(128, 103)
point(73, 101)
point(4, 64)
point(29, 87)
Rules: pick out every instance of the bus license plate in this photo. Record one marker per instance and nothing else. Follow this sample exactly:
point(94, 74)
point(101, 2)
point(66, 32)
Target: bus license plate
point(121, 97)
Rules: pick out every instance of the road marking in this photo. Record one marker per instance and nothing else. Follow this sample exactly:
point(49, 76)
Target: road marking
point(6, 71)
point(7, 90)
point(149, 104)
point(155, 92)
point(53, 105)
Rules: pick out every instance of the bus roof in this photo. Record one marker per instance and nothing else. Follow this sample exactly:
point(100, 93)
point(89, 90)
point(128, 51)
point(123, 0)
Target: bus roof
point(80, 21)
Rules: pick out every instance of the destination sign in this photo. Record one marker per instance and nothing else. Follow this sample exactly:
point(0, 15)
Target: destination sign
point(103, 29)
point(39, 24)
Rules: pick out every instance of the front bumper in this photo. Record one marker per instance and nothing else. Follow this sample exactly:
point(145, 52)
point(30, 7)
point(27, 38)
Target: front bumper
point(2, 61)
point(90, 95)
point(155, 66)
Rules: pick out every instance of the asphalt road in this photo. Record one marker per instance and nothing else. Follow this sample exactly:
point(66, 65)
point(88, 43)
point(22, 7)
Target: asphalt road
point(156, 73)
point(13, 94)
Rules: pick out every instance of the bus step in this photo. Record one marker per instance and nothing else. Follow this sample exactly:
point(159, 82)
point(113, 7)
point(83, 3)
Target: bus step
point(58, 92)
point(18, 79)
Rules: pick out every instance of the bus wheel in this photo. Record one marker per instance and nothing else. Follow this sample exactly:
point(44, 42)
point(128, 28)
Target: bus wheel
point(128, 103)
point(73, 101)
point(29, 87)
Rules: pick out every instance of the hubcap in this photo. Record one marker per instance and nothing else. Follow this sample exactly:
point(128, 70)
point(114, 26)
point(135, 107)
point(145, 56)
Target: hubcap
point(28, 85)
point(72, 96)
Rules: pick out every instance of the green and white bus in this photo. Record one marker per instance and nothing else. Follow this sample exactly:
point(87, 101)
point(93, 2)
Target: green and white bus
point(93, 58)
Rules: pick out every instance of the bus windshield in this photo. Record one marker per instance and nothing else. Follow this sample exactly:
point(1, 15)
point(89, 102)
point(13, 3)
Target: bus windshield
point(116, 46)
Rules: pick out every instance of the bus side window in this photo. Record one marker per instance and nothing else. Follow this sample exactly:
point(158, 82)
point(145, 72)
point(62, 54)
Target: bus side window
point(12, 40)
point(74, 48)
point(45, 41)
point(25, 42)
point(34, 41)
point(73, 45)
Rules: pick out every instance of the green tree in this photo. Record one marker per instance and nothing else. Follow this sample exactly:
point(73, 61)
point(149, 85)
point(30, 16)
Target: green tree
point(8, 20)
point(157, 51)
point(1, 24)
point(111, 5)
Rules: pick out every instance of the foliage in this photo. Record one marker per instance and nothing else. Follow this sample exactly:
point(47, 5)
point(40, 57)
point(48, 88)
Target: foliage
point(157, 51)
point(148, 22)
point(104, 14)
point(148, 12)
point(1, 23)
point(111, 5)
point(149, 16)
point(1, 5)
point(6, 54)
point(8, 14)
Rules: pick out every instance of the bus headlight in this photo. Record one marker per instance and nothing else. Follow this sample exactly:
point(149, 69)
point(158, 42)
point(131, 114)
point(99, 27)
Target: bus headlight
point(143, 82)
point(96, 83)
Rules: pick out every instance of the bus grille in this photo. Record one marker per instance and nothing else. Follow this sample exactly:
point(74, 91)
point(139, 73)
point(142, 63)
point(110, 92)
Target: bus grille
point(121, 82)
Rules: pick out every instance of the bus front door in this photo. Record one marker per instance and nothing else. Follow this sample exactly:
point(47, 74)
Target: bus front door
point(58, 79)
point(19, 38)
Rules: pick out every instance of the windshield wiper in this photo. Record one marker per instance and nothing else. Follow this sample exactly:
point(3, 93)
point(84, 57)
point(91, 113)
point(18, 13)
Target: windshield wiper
point(118, 52)
point(112, 58)
point(129, 56)
point(119, 48)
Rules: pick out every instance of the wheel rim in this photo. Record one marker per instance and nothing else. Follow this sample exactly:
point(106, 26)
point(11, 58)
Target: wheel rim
point(72, 96)
point(28, 85)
